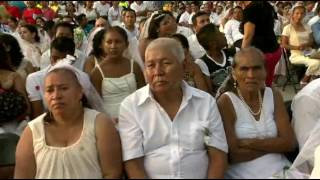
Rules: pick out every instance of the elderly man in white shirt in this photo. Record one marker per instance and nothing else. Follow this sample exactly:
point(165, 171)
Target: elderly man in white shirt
point(231, 29)
point(305, 111)
point(167, 128)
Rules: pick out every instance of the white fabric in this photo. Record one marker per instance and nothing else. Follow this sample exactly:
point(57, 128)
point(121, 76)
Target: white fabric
point(297, 56)
point(196, 50)
point(90, 40)
point(79, 63)
point(132, 52)
point(115, 90)
point(91, 15)
point(114, 16)
point(305, 107)
point(316, 170)
point(187, 32)
point(139, 8)
point(216, 19)
point(171, 149)
point(184, 18)
point(77, 161)
point(247, 127)
point(190, 18)
point(205, 69)
point(31, 52)
point(102, 9)
point(131, 34)
point(313, 20)
point(231, 31)
point(93, 98)
point(35, 86)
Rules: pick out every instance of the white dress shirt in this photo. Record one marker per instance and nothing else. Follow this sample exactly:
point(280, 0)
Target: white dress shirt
point(197, 51)
point(305, 111)
point(187, 32)
point(184, 18)
point(79, 63)
point(171, 149)
point(231, 31)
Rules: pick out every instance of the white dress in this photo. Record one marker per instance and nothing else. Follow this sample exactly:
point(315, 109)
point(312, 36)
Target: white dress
point(247, 127)
point(78, 161)
point(115, 90)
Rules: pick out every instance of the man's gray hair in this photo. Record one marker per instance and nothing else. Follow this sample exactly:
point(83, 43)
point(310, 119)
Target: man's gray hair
point(169, 44)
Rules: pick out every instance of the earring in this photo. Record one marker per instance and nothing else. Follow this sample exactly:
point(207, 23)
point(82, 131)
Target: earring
point(235, 84)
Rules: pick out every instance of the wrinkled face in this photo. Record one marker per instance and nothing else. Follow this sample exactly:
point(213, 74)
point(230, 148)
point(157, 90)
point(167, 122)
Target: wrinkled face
point(168, 26)
point(56, 55)
point(26, 34)
point(129, 18)
point(64, 32)
point(298, 15)
point(250, 72)
point(201, 21)
point(163, 72)
point(113, 44)
point(62, 92)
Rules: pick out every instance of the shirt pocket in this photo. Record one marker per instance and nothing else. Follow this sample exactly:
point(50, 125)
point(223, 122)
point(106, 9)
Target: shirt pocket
point(193, 137)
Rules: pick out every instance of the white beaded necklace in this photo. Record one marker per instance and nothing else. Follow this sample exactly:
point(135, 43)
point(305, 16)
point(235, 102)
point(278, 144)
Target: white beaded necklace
point(244, 102)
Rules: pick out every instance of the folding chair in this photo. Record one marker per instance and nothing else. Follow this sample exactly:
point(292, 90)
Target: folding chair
point(294, 72)
point(8, 143)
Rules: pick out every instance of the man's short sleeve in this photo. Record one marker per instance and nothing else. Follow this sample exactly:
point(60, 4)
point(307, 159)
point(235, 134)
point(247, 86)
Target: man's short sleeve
point(130, 132)
point(216, 134)
point(33, 88)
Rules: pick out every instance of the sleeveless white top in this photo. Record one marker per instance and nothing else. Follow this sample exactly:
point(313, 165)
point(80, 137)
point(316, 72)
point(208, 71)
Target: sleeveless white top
point(115, 90)
point(78, 161)
point(247, 127)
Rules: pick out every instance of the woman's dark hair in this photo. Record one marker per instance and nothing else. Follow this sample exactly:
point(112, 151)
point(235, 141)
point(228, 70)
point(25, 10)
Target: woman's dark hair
point(48, 118)
point(206, 35)
point(32, 29)
point(97, 51)
point(48, 25)
point(64, 45)
point(4, 64)
point(14, 50)
point(155, 24)
point(182, 39)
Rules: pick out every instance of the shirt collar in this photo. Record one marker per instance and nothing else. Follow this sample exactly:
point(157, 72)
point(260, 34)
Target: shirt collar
point(188, 93)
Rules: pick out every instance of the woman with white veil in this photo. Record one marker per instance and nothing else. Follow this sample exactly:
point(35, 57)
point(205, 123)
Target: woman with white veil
point(73, 139)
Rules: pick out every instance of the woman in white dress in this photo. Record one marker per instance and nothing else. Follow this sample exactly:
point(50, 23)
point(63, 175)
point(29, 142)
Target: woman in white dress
point(30, 44)
point(71, 140)
point(255, 120)
point(297, 37)
point(115, 77)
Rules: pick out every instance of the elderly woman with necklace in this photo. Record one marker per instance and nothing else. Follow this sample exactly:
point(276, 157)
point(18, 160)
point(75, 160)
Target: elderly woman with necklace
point(255, 120)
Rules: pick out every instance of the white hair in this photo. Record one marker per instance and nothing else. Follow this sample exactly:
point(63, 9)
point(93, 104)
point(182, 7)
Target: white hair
point(169, 44)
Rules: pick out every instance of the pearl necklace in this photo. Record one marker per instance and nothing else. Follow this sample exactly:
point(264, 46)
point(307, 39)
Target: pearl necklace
point(244, 102)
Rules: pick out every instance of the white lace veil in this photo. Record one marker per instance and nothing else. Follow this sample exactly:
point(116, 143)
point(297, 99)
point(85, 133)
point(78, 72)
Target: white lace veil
point(144, 34)
point(93, 98)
